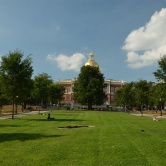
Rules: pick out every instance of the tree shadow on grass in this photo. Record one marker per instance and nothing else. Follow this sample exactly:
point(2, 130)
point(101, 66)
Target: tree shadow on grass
point(23, 136)
point(8, 125)
point(69, 120)
point(54, 120)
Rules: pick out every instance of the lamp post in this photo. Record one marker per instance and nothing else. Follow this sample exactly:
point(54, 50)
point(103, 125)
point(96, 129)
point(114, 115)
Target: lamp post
point(161, 106)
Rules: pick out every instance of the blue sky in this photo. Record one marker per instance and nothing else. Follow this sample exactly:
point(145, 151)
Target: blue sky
point(127, 37)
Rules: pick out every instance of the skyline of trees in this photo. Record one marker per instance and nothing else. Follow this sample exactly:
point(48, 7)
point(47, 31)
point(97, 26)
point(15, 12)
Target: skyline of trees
point(145, 94)
point(17, 85)
point(15, 74)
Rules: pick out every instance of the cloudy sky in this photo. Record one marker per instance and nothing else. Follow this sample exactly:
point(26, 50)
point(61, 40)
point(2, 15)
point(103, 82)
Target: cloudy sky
point(127, 37)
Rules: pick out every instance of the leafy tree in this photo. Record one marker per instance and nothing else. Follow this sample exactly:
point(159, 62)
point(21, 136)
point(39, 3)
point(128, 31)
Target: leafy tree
point(160, 74)
point(42, 84)
point(152, 96)
point(142, 94)
point(15, 73)
point(56, 92)
point(120, 97)
point(3, 97)
point(125, 95)
point(89, 87)
point(159, 96)
point(25, 97)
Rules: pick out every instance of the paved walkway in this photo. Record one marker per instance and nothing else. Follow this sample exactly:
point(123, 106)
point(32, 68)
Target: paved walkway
point(149, 115)
point(22, 114)
point(43, 111)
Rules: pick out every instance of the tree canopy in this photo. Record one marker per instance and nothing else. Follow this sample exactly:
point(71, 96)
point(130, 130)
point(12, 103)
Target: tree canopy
point(89, 87)
point(136, 94)
point(160, 74)
point(42, 83)
point(125, 95)
point(56, 92)
point(15, 73)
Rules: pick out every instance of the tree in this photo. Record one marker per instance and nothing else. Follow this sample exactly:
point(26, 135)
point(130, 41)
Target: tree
point(56, 92)
point(152, 96)
point(120, 96)
point(142, 94)
point(15, 73)
point(89, 87)
point(3, 97)
point(160, 74)
point(125, 95)
point(42, 84)
point(160, 95)
point(25, 97)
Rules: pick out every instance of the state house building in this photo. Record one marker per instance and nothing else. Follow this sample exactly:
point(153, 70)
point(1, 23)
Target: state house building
point(110, 85)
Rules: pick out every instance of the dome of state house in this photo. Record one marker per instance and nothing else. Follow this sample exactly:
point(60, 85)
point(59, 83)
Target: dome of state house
point(91, 61)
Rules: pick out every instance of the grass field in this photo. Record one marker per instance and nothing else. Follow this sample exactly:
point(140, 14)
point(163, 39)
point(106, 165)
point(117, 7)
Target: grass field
point(116, 139)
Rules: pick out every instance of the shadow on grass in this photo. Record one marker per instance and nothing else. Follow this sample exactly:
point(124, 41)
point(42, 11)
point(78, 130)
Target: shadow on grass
point(2, 125)
point(69, 120)
point(54, 120)
point(23, 136)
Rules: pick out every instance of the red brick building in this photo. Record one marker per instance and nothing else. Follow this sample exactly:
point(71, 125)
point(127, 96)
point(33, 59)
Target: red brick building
point(110, 85)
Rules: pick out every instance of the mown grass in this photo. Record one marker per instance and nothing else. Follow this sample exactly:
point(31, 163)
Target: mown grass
point(116, 139)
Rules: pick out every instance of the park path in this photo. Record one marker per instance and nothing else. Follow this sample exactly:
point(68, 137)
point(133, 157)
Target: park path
point(150, 115)
point(22, 114)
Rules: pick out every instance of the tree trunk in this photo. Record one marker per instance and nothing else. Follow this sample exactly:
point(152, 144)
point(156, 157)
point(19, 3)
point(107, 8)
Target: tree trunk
point(23, 106)
point(89, 106)
point(13, 108)
point(141, 110)
point(16, 108)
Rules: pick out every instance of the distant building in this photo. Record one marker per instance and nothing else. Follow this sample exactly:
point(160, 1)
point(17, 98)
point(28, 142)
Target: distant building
point(110, 85)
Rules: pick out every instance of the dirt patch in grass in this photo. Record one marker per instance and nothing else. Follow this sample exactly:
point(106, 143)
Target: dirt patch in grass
point(7, 109)
point(74, 127)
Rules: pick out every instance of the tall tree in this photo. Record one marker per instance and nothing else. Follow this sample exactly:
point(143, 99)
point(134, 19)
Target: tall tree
point(15, 73)
point(120, 96)
point(3, 97)
point(89, 87)
point(160, 74)
point(26, 93)
point(159, 96)
point(142, 94)
point(41, 90)
point(125, 95)
point(56, 92)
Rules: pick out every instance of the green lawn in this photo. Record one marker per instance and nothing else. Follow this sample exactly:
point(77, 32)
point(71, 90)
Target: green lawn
point(116, 139)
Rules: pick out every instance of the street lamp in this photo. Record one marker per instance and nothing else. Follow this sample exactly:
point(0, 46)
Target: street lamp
point(160, 106)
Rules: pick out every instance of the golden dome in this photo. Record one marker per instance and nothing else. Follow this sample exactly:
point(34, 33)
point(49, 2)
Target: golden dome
point(91, 61)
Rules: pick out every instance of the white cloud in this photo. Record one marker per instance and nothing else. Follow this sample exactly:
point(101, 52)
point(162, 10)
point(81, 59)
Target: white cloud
point(149, 39)
point(73, 62)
